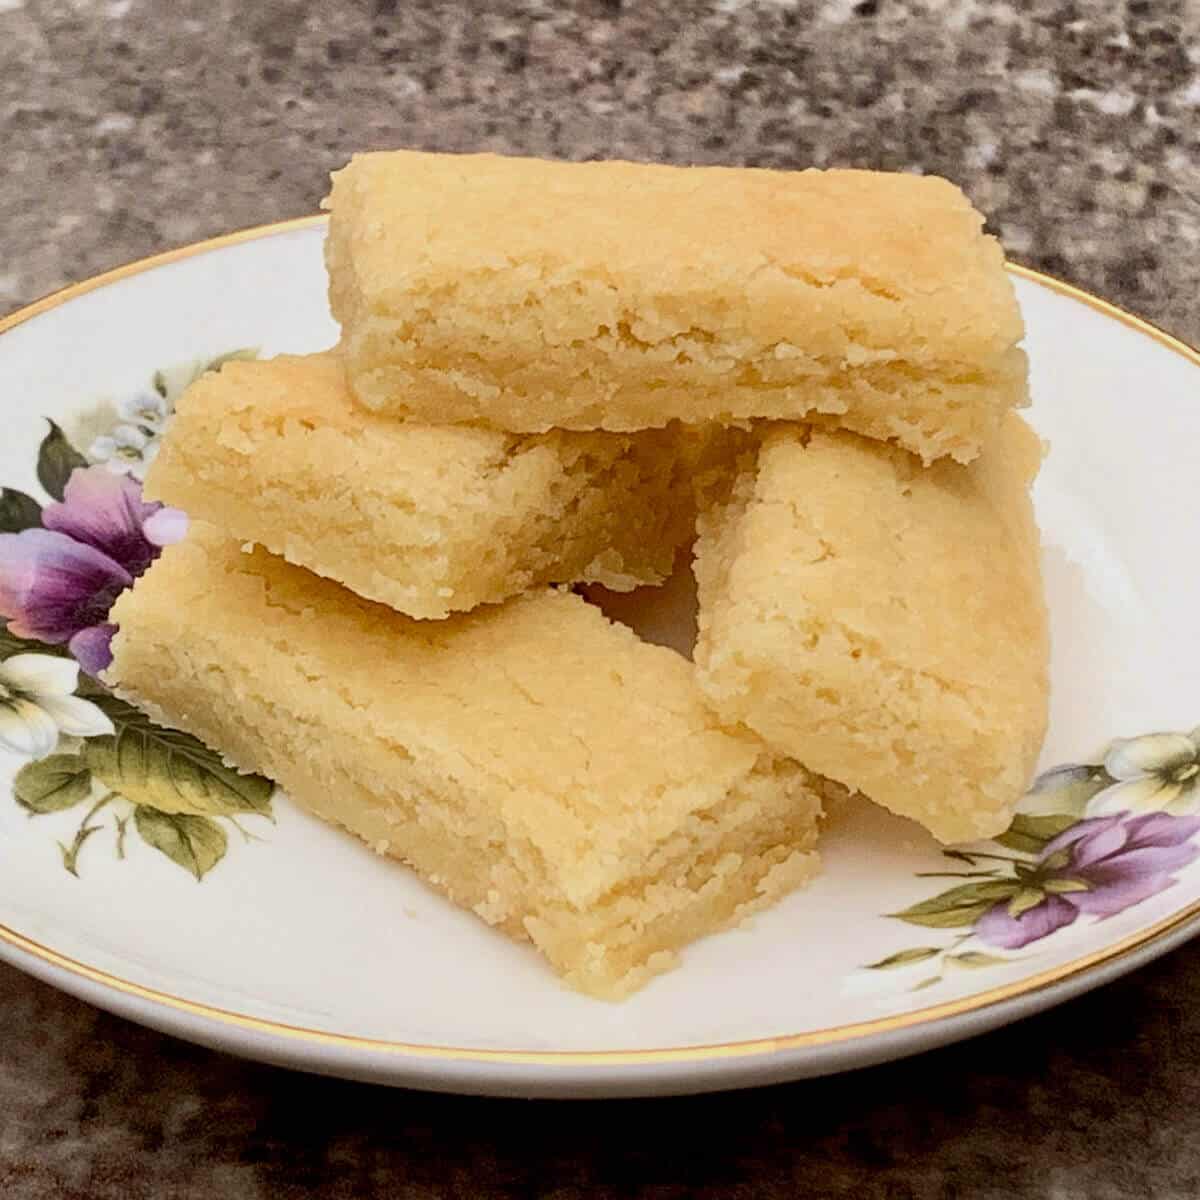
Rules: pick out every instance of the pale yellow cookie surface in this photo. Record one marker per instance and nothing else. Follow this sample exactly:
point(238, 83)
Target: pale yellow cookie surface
point(427, 519)
point(529, 294)
point(882, 623)
point(533, 761)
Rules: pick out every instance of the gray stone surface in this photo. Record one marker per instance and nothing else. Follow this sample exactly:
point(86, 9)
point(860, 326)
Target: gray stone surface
point(131, 125)
point(128, 126)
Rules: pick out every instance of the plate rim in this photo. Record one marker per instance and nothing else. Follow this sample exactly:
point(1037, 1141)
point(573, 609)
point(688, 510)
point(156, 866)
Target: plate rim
point(279, 1041)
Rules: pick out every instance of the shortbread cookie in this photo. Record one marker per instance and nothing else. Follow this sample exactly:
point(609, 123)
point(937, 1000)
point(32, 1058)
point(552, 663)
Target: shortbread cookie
point(882, 623)
point(427, 520)
point(612, 295)
point(532, 760)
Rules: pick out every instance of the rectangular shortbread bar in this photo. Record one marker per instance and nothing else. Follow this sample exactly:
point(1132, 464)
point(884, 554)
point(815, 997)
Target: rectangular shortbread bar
point(428, 520)
point(534, 761)
point(612, 295)
point(882, 623)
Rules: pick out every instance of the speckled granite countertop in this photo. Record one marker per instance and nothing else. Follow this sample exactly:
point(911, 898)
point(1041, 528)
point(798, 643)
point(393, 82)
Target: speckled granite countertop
point(129, 126)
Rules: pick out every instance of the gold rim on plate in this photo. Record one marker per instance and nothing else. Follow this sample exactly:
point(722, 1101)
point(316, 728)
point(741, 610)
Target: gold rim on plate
point(608, 1058)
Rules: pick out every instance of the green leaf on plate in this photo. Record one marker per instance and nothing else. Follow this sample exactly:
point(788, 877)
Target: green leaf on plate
point(917, 987)
point(959, 906)
point(1030, 834)
point(973, 958)
point(57, 459)
point(1066, 789)
point(18, 511)
point(195, 843)
point(10, 644)
point(53, 784)
point(904, 958)
point(168, 770)
point(1026, 899)
point(122, 828)
point(70, 854)
point(959, 856)
point(91, 688)
point(1063, 887)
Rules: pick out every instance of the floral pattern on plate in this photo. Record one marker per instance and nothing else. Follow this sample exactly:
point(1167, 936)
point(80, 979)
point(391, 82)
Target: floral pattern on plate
point(62, 565)
point(1090, 840)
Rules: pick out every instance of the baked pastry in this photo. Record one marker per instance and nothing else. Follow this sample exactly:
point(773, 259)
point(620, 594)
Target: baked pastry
point(882, 623)
point(429, 520)
point(534, 761)
point(611, 295)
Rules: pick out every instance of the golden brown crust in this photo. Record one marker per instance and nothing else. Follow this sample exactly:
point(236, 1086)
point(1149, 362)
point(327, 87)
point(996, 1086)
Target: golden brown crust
point(535, 762)
point(882, 623)
point(532, 294)
point(430, 520)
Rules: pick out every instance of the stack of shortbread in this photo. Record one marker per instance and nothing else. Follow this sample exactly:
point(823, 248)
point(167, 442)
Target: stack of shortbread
point(555, 373)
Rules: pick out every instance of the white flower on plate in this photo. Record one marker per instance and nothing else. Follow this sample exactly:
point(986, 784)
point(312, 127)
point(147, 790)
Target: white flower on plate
point(127, 450)
point(38, 701)
point(1159, 772)
point(147, 410)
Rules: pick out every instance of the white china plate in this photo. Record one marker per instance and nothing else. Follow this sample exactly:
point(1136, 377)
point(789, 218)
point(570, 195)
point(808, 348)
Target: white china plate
point(300, 947)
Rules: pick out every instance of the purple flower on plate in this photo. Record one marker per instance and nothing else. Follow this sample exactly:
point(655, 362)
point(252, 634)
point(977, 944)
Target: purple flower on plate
point(1099, 866)
point(58, 583)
